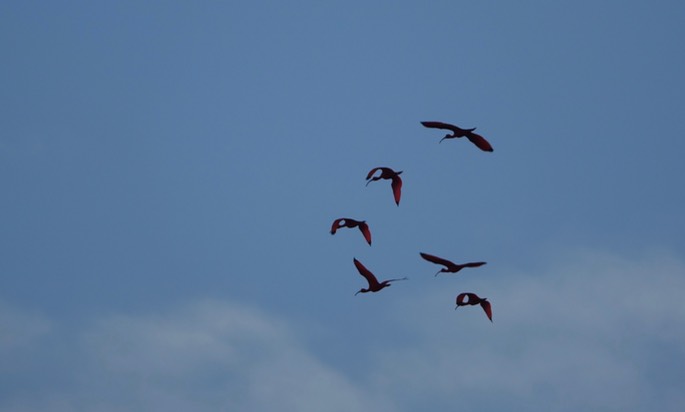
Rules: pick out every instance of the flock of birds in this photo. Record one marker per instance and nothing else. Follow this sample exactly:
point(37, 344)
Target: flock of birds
point(386, 173)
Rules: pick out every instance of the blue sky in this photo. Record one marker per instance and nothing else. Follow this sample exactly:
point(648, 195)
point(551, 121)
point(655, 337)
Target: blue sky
point(170, 172)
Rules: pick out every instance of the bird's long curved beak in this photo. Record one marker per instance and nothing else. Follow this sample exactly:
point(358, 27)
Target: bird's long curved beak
point(456, 307)
point(357, 293)
point(439, 271)
point(367, 183)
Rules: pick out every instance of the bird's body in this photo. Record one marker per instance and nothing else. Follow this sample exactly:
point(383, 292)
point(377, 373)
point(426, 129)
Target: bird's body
point(388, 173)
point(458, 132)
point(351, 223)
point(374, 285)
point(465, 299)
point(450, 267)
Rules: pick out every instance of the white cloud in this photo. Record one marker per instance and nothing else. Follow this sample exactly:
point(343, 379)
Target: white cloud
point(593, 333)
point(584, 335)
point(207, 356)
point(240, 358)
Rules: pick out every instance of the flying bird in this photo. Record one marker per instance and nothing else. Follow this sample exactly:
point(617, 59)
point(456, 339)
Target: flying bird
point(475, 138)
point(374, 285)
point(474, 299)
point(450, 267)
point(347, 222)
point(388, 173)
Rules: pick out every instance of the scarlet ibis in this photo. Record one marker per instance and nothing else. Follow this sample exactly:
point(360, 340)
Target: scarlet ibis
point(388, 173)
point(374, 285)
point(474, 299)
point(475, 138)
point(449, 266)
point(347, 222)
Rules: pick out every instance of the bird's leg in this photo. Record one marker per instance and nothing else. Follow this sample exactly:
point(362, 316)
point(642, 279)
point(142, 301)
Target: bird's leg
point(393, 280)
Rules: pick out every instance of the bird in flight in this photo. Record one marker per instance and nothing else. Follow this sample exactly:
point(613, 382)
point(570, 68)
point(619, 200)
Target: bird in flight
point(464, 299)
point(475, 138)
point(347, 222)
point(388, 173)
point(450, 267)
point(374, 285)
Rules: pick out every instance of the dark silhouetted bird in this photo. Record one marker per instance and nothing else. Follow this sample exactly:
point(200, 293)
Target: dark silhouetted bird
point(388, 173)
point(473, 299)
point(475, 138)
point(450, 267)
point(347, 222)
point(374, 285)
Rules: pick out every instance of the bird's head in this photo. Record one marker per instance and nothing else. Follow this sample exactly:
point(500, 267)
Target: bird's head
point(440, 271)
point(362, 290)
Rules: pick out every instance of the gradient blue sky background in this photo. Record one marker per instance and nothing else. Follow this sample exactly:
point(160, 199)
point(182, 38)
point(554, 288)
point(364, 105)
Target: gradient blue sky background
point(170, 171)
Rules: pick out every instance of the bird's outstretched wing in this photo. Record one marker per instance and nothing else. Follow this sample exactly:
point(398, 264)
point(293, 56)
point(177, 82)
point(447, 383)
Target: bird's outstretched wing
point(336, 225)
point(366, 273)
point(441, 125)
point(435, 259)
point(397, 188)
point(460, 299)
point(487, 308)
point(364, 228)
point(370, 174)
point(472, 299)
point(479, 141)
